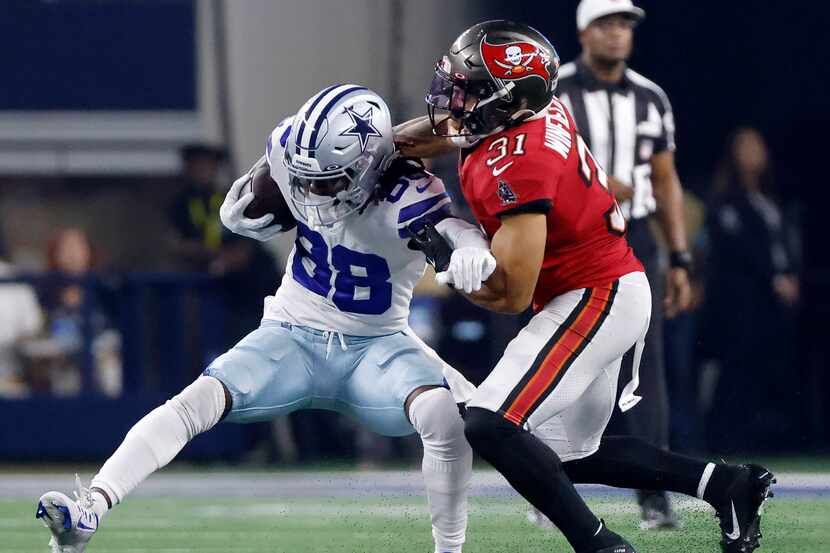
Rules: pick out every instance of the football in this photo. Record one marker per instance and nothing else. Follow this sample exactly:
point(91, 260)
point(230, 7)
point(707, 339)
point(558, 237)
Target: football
point(267, 198)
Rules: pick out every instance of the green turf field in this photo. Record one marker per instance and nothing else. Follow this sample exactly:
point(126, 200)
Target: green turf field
point(397, 525)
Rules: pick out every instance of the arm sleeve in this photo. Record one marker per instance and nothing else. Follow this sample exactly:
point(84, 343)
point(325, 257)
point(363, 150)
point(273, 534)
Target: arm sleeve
point(461, 234)
point(529, 185)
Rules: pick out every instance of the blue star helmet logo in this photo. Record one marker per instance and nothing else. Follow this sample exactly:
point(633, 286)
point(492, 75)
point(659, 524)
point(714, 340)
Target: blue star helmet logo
point(362, 127)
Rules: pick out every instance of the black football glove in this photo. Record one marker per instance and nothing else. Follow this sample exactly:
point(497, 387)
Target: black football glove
point(435, 247)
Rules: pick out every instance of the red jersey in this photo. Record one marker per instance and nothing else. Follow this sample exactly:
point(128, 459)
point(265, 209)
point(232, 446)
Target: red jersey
point(544, 166)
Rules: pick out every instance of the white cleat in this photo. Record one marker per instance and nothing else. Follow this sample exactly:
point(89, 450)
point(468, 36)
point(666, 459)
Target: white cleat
point(72, 522)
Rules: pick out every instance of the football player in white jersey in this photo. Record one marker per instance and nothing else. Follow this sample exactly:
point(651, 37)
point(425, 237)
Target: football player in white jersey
point(335, 334)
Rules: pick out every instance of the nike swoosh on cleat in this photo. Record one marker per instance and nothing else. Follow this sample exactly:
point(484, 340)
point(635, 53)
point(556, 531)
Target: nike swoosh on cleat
point(736, 530)
point(762, 476)
point(82, 526)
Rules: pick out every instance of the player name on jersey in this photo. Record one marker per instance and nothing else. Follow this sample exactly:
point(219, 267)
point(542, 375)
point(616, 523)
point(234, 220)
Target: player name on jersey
point(558, 130)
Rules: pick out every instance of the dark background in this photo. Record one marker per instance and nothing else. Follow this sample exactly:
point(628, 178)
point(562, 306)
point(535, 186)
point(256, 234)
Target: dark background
point(723, 64)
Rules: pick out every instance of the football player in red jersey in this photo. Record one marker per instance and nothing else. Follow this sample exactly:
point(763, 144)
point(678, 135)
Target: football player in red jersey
point(558, 237)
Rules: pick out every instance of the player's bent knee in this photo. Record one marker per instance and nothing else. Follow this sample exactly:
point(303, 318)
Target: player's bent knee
point(413, 395)
point(201, 405)
point(435, 417)
point(498, 440)
point(485, 428)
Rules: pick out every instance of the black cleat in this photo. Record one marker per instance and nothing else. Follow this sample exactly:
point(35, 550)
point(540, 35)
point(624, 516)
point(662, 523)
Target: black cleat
point(621, 545)
point(739, 513)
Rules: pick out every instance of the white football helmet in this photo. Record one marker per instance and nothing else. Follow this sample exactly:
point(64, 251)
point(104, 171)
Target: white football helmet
point(340, 142)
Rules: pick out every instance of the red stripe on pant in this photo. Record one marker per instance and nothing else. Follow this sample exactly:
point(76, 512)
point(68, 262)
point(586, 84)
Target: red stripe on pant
point(560, 355)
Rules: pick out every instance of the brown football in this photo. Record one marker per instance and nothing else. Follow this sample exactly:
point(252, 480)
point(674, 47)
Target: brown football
point(267, 198)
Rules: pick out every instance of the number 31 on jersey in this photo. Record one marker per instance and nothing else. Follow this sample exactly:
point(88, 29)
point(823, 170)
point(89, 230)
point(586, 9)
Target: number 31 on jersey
point(500, 146)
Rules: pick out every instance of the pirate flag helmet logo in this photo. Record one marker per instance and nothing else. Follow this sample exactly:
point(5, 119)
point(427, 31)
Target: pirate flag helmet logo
point(516, 60)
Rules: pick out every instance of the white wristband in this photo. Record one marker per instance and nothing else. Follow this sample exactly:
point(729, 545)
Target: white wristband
point(461, 234)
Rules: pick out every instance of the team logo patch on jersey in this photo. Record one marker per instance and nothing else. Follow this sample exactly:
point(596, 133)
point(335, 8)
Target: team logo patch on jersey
point(515, 60)
point(506, 194)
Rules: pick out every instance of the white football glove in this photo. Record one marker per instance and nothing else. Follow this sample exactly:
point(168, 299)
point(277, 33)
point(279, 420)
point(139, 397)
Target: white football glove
point(469, 268)
point(232, 214)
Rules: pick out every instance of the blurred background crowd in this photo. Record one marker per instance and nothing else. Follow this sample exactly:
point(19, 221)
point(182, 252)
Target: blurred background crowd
point(122, 123)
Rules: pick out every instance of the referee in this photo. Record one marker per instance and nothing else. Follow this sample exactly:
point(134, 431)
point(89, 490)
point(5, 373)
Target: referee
point(627, 122)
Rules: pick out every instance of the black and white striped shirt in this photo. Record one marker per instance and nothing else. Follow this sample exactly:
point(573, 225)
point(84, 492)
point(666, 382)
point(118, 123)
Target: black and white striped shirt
point(624, 125)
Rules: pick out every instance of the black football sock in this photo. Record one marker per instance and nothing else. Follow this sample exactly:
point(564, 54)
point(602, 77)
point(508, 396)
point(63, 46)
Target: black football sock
point(535, 471)
point(628, 462)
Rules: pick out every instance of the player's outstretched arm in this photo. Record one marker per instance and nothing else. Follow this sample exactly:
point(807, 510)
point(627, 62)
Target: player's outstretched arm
point(519, 248)
point(414, 138)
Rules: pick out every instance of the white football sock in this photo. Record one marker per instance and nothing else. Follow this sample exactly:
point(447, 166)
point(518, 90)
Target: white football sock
point(158, 437)
point(99, 504)
point(447, 465)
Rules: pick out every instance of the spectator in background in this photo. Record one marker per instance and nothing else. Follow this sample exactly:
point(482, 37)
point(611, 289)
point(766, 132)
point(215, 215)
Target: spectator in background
point(751, 292)
point(76, 311)
point(202, 245)
point(195, 211)
point(679, 339)
point(20, 319)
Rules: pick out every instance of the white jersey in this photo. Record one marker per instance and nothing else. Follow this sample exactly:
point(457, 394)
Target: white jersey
point(356, 278)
